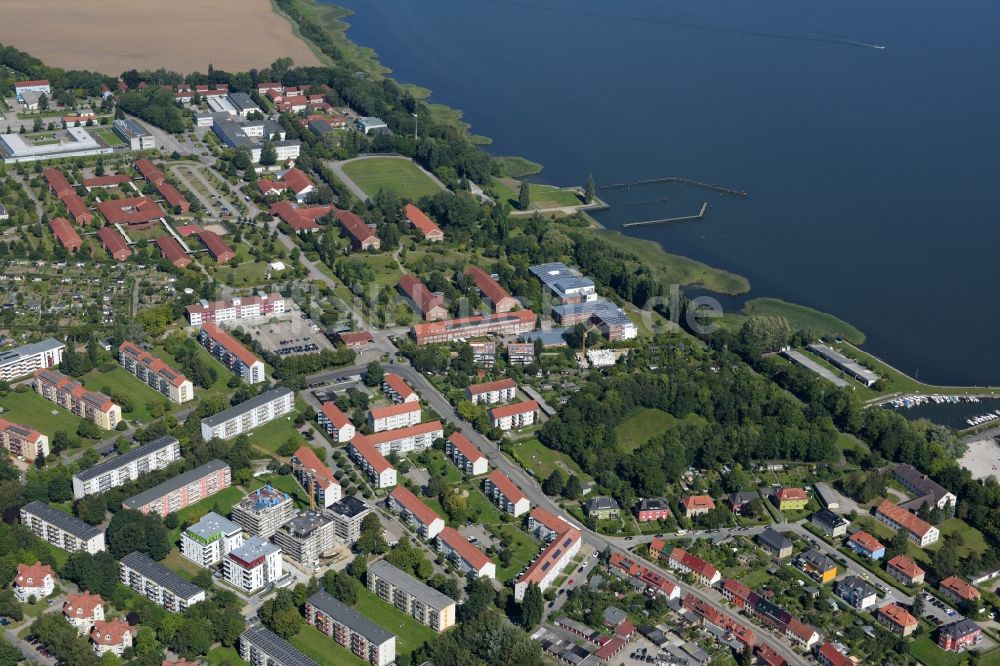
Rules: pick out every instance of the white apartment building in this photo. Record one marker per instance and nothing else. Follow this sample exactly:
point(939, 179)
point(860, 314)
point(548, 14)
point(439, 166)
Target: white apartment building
point(159, 584)
point(219, 312)
point(403, 441)
point(396, 388)
point(25, 360)
point(392, 417)
point(415, 512)
point(82, 610)
point(336, 423)
point(505, 494)
point(210, 539)
point(253, 565)
point(248, 415)
point(372, 463)
point(491, 393)
point(263, 511)
point(129, 466)
point(468, 559)
point(517, 415)
point(61, 529)
point(465, 455)
point(33, 581)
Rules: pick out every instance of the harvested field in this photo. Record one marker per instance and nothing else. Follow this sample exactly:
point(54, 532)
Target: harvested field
point(112, 36)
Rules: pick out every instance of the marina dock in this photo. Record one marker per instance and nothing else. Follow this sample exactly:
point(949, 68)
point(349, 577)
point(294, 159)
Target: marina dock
point(668, 220)
point(676, 179)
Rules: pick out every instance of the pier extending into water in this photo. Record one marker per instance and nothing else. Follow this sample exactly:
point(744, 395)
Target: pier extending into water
point(648, 202)
point(668, 220)
point(675, 179)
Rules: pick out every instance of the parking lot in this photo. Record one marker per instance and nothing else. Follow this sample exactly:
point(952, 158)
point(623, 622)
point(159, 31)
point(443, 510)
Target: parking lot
point(291, 334)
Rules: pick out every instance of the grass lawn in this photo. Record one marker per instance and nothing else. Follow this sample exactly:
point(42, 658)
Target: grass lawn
point(398, 175)
point(270, 436)
point(219, 387)
point(522, 549)
point(410, 634)
point(548, 196)
point(181, 565)
point(322, 649)
point(928, 652)
point(973, 538)
point(438, 465)
point(641, 426)
point(223, 655)
point(108, 136)
point(120, 381)
point(516, 167)
point(33, 410)
point(248, 272)
point(800, 317)
point(991, 658)
point(540, 460)
point(386, 269)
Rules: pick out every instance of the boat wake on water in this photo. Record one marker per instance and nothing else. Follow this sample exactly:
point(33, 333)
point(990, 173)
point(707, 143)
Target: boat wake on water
point(684, 25)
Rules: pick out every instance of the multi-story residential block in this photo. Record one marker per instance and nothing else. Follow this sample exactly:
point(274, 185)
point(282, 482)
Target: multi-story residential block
point(307, 537)
point(468, 559)
point(656, 508)
point(210, 539)
point(71, 395)
point(83, 610)
point(465, 455)
point(656, 584)
point(491, 393)
point(23, 441)
point(428, 305)
point(183, 490)
point(495, 295)
point(129, 466)
point(61, 529)
point(905, 570)
point(475, 326)
point(403, 441)
point(249, 414)
point(159, 584)
point(550, 562)
point(33, 582)
point(775, 543)
point(924, 488)
point(829, 655)
point(260, 646)
point(959, 591)
point(697, 505)
point(546, 526)
point(505, 494)
point(959, 636)
point(247, 307)
point(354, 631)
point(484, 354)
point(336, 423)
point(392, 417)
point(520, 353)
point(816, 564)
point(114, 636)
point(415, 512)
point(263, 511)
point(409, 595)
point(419, 221)
point(347, 515)
point(372, 463)
point(253, 565)
point(24, 360)
point(829, 522)
point(866, 545)
point(231, 353)
point(310, 472)
point(856, 592)
point(155, 372)
point(896, 619)
point(790, 499)
point(515, 415)
point(920, 531)
point(685, 562)
point(397, 390)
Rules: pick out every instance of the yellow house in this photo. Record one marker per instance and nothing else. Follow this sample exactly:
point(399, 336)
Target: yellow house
point(817, 565)
point(791, 499)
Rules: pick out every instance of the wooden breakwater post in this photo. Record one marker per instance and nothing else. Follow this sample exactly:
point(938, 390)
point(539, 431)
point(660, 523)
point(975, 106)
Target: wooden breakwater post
point(676, 179)
point(668, 220)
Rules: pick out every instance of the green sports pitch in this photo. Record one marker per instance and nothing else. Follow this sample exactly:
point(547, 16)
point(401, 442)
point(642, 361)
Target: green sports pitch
point(398, 175)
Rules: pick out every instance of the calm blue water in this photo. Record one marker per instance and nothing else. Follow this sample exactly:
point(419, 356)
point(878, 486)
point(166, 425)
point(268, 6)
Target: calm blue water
point(870, 172)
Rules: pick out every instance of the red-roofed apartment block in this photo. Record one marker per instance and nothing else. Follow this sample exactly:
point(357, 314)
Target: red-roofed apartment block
point(310, 470)
point(336, 422)
point(396, 388)
point(465, 455)
point(138, 212)
point(696, 505)
point(300, 219)
point(173, 251)
point(114, 243)
point(470, 560)
point(449, 330)
point(232, 353)
point(105, 181)
point(505, 494)
point(362, 236)
point(64, 232)
point(216, 247)
point(515, 415)
point(74, 204)
point(293, 180)
point(419, 221)
point(685, 562)
point(391, 417)
point(415, 512)
point(57, 182)
point(497, 296)
point(429, 305)
point(372, 463)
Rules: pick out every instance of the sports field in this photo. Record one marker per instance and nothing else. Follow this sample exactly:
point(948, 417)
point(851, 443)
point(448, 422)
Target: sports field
point(111, 36)
point(398, 175)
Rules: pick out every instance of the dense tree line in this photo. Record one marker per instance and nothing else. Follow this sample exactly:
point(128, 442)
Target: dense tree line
point(156, 106)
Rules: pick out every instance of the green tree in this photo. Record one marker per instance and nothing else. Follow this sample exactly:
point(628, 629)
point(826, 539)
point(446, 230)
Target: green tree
point(532, 606)
point(555, 483)
point(374, 374)
point(524, 196)
point(590, 191)
point(573, 489)
point(268, 153)
point(341, 586)
point(43, 102)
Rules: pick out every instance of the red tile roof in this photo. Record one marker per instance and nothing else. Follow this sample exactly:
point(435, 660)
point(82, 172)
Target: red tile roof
point(736, 588)
point(35, 572)
point(173, 251)
point(506, 486)
point(370, 453)
point(423, 513)
point(695, 564)
point(355, 227)
point(791, 494)
point(503, 411)
point(424, 330)
point(905, 565)
point(114, 243)
point(698, 502)
point(110, 633)
point(299, 218)
point(960, 588)
point(173, 196)
point(149, 171)
point(418, 292)
point(76, 207)
point(472, 555)
point(63, 230)
point(399, 385)
point(550, 520)
point(498, 385)
point(866, 541)
point(465, 447)
point(357, 338)
point(57, 181)
point(153, 363)
point(423, 224)
point(833, 656)
point(334, 415)
point(32, 82)
point(216, 246)
point(897, 615)
point(800, 629)
point(549, 556)
point(231, 344)
point(656, 545)
point(311, 462)
point(105, 181)
point(487, 285)
point(81, 605)
point(394, 410)
point(133, 210)
point(901, 516)
point(296, 180)
point(378, 438)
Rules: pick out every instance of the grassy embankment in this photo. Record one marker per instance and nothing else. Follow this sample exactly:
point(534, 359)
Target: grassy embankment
point(799, 317)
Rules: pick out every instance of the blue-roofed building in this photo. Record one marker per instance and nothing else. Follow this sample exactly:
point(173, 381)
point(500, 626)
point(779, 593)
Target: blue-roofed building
point(566, 284)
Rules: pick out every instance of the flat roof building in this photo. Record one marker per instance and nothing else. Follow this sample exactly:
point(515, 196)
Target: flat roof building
point(210, 539)
point(24, 360)
point(263, 511)
point(347, 515)
point(61, 529)
point(77, 142)
point(135, 135)
point(249, 414)
point(848, 365)
point(307, 537)
point(183, 490)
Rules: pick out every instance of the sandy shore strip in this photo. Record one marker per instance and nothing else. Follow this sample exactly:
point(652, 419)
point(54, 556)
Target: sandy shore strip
point(982, 459)
point(112, 36)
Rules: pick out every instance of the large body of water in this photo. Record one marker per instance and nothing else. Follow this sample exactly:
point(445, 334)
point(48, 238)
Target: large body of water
point(871, 172)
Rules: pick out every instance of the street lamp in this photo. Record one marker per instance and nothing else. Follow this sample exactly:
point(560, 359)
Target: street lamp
point(416, 126)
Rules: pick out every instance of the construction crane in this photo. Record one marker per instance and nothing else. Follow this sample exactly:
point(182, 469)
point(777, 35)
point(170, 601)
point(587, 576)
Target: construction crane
point(312, 492)
point(585, 334)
